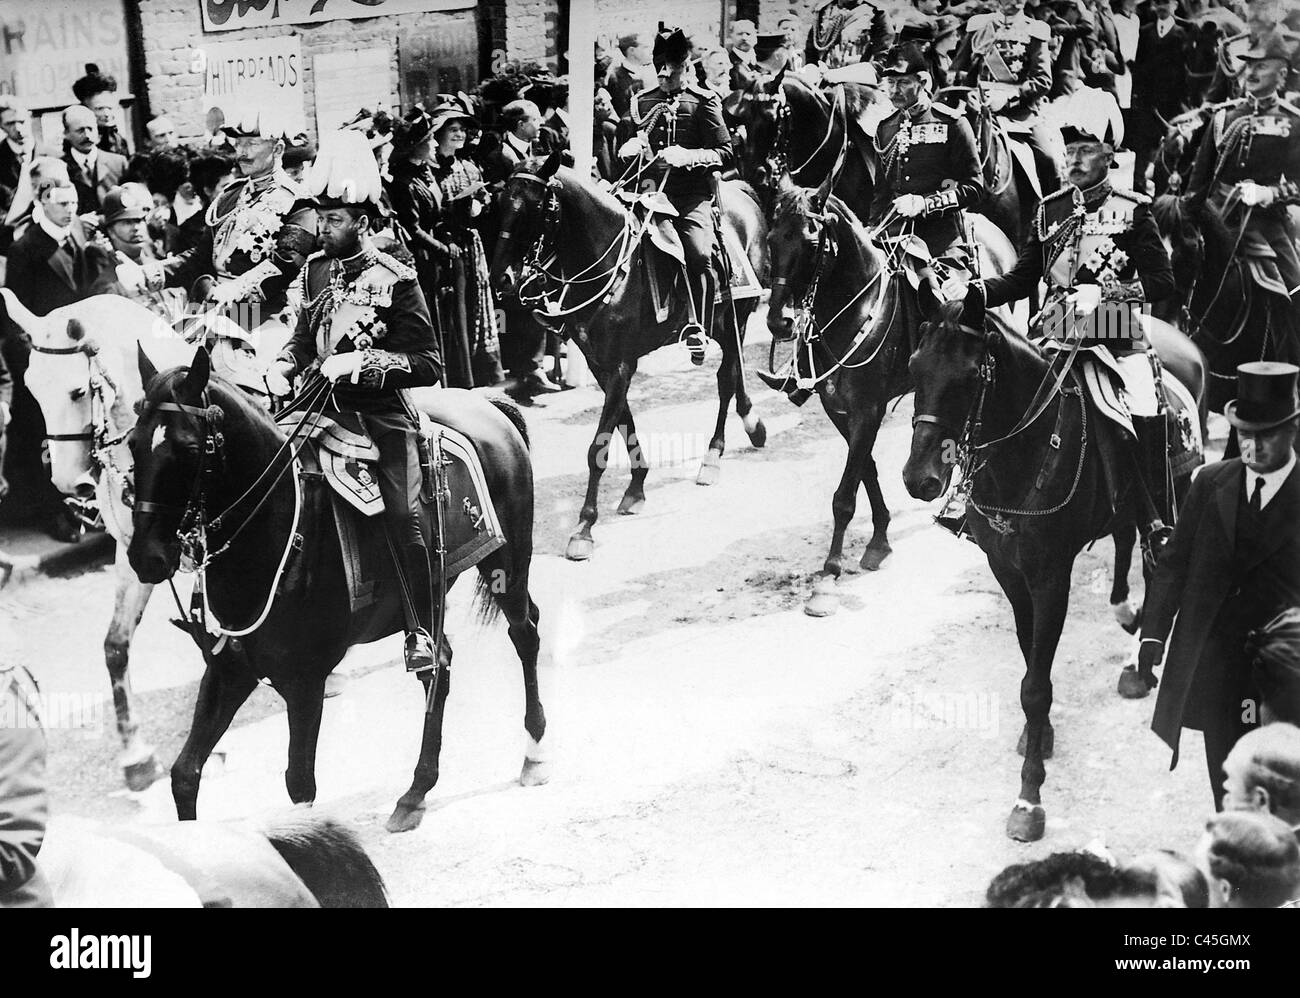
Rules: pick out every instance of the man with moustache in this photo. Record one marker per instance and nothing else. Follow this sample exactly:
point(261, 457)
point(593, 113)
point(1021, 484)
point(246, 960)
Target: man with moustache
point(94, 171)
point(1232, 564)
point(365, 326)
point(1264, 20)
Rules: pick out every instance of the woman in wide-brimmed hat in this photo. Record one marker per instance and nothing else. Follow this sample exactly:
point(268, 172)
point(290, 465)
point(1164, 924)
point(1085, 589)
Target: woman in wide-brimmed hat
point(470, 325)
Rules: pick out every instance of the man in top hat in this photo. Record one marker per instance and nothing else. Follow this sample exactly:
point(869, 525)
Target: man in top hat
point(929, 164)
point(1006, 54)
point(770, 54)
point(258, 231)
point(679, 127)
point(1100, 254)
point(1248, 169)
point(365, 326)
point(1264, 20)
point(1232, 564)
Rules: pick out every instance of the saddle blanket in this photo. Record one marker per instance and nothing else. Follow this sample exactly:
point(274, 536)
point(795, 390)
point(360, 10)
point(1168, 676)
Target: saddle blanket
point(347, 459)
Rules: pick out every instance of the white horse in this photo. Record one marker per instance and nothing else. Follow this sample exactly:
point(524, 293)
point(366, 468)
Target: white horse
point(84, 373)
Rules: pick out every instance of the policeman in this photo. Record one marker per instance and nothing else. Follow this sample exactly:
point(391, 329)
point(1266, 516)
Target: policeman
point(1248, 165)
point(365, 323)
point(1097, 246)
point(258, 234)
point(1006, 55)
point(679, 126)
point(1263, 19)
point(24, 805)
point(929, 165)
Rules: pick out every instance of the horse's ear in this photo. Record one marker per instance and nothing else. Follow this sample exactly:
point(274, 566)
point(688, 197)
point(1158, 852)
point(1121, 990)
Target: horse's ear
point(551, 165)
point(147, 371)
point(197, 378)
point(774, 85)
point(824, 191)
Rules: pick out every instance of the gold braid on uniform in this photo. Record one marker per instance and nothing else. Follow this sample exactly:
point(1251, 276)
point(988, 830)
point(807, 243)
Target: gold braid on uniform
point(824, 37)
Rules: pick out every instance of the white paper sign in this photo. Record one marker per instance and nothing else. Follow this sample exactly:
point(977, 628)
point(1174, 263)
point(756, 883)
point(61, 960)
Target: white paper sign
point(243, 78)
point(231, 15)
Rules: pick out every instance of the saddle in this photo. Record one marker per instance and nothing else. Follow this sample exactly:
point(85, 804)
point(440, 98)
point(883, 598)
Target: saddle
point(1101, 380)
point(663, 260)
point(340, 459)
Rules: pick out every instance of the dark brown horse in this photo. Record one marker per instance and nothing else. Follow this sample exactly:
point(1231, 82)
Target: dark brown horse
point(202, 448)
point(863, 316)
point(597, 288)
point(1037, 488)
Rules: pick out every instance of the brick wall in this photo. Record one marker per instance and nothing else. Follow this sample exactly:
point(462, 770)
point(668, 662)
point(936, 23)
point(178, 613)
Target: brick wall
point(172, 29)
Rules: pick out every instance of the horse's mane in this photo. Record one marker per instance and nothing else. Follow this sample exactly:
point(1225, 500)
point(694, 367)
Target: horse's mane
point(802, 201)
point(951, 319)
point(569, 177)
point(221, 392)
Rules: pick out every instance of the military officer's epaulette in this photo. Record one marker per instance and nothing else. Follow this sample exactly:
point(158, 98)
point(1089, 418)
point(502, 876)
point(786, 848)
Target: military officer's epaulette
point(1288, 107)
point(945, 110)
point(700, 91)
point(400, 270)
point(1137, 197)
point(1037, 29)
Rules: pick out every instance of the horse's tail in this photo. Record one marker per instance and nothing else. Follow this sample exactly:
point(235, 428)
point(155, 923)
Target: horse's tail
point(513, 413)
point(328, 858)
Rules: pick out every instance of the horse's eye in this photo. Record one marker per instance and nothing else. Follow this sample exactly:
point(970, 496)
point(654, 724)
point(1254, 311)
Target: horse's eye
point(77, 394)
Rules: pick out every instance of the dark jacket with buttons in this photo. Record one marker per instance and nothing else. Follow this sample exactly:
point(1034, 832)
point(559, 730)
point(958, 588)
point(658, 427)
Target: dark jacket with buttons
point(929, 150)
point(690, 118)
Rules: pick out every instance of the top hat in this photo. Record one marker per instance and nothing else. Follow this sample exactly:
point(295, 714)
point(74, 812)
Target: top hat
point(671, 45)
point(128, 203)
point(767, 45)
point(1266, 396)
point(904, 59)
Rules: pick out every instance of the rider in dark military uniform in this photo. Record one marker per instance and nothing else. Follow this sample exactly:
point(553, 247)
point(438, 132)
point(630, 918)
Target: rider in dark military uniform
point(1263, 20)
point(365, 324)
point(1094, 245)
point(930, 168)
point(1248, 167)
point(846, 33)
point(679, 126)
point(257, 236)
point(1006, 54)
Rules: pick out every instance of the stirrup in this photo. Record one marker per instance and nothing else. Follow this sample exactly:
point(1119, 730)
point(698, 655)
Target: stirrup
point(696, 340)
point(418, 651)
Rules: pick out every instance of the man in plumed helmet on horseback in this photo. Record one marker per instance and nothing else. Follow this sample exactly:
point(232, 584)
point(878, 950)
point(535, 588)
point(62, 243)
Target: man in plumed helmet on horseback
point(365, 326)
point(1099, 252)
point(678, 127)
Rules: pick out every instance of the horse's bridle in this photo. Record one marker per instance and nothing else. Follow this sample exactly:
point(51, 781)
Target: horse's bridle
point(533, 268)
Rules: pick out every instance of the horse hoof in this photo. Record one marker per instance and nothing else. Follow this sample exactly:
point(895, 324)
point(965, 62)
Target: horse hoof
point(1131, 685)
point(757, 431)
point(631, 505)
point(405, 819)
point(142, 775)
point(1127, 616)
point(579, 549)
point(335, 683)
point(710, 469)
point(874, 557)
point(1049, 741)
point(536, 773)
point(1026, 824)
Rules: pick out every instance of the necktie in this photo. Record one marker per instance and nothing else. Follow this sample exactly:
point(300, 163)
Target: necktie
point(1257, 497)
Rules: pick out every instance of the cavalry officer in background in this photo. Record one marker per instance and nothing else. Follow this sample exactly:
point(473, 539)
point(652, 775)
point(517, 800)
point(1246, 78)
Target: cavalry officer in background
point(365, 326)
point(930, 168)
point(845, 37)
point(679, 127)
point(1006, 54)
point(1263, 21)
point(257, 236)
point(1095, 245)
point(1232, 564)
point(1248, 168)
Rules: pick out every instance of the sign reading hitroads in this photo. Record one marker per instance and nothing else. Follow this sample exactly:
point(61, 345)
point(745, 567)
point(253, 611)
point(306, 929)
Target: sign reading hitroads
point(244, 77)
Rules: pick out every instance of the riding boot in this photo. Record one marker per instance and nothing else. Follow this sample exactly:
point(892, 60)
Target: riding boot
point(1151, 458)
point(700, 296)
point(415, 568)
point(789, 384)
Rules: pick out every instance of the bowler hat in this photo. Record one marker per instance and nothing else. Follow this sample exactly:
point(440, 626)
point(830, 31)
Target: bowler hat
point(128, 203)
point(1266, 396)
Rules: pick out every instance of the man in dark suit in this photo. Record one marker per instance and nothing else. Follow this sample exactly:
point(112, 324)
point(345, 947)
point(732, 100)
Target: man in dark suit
point(15, 149)
point(50, 265)
point(521, 122)
point(94, 171)
point(1232, 564)
point(1159, 86)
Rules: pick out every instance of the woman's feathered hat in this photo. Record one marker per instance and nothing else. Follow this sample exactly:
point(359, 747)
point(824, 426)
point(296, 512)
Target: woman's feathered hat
point(345, 174)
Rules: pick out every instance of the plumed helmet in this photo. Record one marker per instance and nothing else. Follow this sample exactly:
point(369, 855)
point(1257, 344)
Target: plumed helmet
point(345, 173)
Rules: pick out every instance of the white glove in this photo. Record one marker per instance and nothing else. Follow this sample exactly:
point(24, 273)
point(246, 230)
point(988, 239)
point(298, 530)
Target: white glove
point(909, 205)
point(224, 293)
point(632, 147)
point(676, 156)
point(475, 208)
point(4, 415)
point(1086, 298)
point(277, 381)
point(1256, 194)
point(338, 366)
point(997, 101)
point(131, 276)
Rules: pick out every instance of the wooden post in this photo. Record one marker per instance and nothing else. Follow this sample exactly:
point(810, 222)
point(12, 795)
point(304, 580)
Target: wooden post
point(582, 113)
